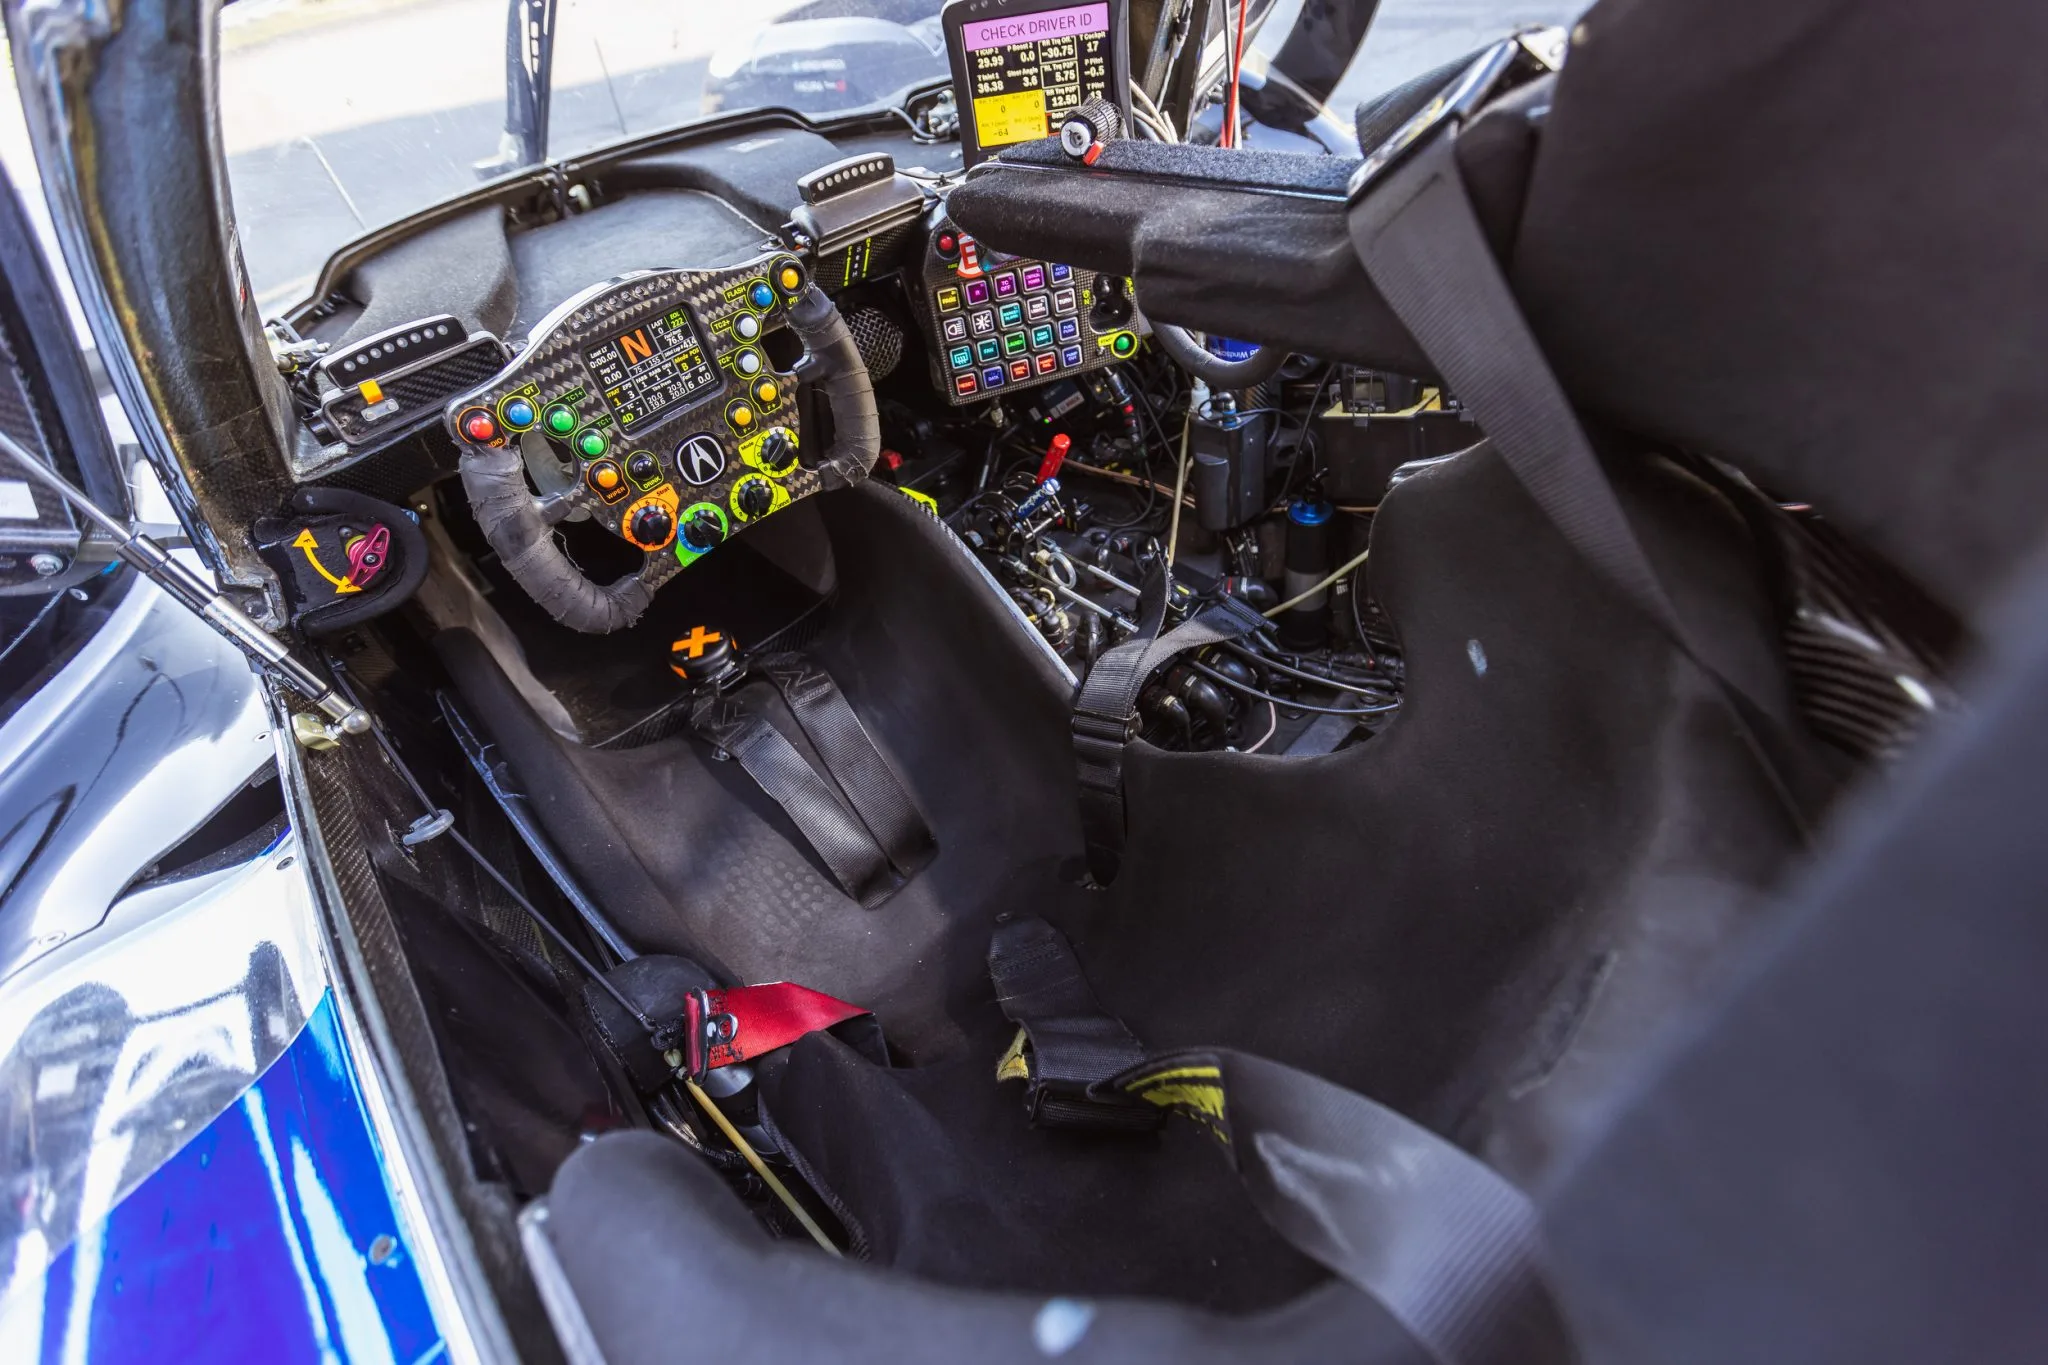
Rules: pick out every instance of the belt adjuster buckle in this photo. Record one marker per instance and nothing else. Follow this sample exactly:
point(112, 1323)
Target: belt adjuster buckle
point(1105, 729)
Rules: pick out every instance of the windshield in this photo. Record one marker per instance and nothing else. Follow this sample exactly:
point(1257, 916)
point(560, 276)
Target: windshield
point(338, 116)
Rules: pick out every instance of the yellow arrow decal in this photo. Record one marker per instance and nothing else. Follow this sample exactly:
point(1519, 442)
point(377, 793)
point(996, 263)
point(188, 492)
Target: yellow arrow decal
point(308, 544)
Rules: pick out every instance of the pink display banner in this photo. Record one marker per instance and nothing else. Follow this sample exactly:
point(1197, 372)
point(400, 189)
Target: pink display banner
point(1074, 21)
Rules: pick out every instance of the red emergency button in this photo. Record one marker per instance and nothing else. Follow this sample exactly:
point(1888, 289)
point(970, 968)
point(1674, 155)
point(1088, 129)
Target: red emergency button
point(948, 244)
point(478, 426)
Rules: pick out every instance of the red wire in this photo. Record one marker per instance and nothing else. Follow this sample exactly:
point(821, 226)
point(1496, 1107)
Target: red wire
point(1236, 71)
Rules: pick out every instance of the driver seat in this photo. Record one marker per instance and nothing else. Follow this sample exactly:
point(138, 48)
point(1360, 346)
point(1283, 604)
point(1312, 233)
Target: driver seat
point(1594, 785)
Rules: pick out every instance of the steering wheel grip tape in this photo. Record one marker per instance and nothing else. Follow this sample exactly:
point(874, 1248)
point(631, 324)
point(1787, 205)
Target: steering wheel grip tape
point(510, 518)
point(836, 370)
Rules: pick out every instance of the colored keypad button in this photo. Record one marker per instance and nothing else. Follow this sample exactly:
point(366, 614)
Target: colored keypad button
point(746, 326)
point(977, 291)
point(986, 351)
point(1071, 356)
point(1041, 337)
point(948, 300)
point(1005, 283)
point(790, 278)
point(1013, 343)
point(1034, 277)
point(1020, 369)
point(1123, 343)
point(960, 357)
point(1070, 328)
point(1010, 314)
point(964, 384)
point(479, 426)
point(1037, 307)
point(559, 420)
point(982, 323)
point(740, 415)
point(767, 393)
point(518, 414)
point(747, 362)
point(1062, 273)
point(1047, 363)
point(956, 329)
point(992, 377)
point(1064, 301)
point(760, 295)
point(590, 443)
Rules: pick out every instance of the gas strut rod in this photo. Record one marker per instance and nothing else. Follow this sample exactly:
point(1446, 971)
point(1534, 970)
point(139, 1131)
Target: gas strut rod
point(154, 562)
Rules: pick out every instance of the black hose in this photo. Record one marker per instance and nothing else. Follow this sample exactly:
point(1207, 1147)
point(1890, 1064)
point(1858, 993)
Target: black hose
point(1234, 685)
point(1214, 370)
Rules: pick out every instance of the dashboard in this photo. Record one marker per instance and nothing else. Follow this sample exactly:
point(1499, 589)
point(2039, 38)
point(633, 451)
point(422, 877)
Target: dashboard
point(501, 305)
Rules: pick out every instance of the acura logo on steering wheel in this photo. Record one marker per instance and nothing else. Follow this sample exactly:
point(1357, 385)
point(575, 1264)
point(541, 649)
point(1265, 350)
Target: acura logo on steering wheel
point(700, 459)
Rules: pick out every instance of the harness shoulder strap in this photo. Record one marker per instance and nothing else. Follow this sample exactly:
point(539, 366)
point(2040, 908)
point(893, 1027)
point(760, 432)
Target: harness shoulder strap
point(1445, 1244)
point(1449, 1247)
point(1105, 717)
point(1424, 249)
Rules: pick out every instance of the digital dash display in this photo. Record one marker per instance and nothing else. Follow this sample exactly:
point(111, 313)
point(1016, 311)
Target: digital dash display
point(652, 369)
point(1028, 71)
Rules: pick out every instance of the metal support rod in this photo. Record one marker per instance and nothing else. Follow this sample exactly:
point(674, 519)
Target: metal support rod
point(154, 562)
point(1068, 594)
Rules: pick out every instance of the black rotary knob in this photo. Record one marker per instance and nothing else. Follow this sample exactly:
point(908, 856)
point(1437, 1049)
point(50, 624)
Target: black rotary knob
point(704, 528)
point(778, 451)
point(651, 526)
point(756, 499)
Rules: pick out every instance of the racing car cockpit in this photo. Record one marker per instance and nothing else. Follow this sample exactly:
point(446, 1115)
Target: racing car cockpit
point(1074, 686)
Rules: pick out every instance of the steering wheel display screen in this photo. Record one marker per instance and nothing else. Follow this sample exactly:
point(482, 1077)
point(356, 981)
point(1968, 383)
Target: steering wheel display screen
point(651, 369)
point(1029, 70)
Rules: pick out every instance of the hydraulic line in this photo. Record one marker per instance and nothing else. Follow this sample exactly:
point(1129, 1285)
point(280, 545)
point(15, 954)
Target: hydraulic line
point(1224, 680)
point(1180, 484)
point(1335, 574)
point(1298, 673)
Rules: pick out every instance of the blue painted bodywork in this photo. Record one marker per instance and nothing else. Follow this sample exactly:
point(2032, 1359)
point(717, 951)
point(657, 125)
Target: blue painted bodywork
point(274, 1235)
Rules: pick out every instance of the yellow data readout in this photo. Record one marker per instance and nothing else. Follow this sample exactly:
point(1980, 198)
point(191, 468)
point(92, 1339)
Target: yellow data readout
point(1000, 120)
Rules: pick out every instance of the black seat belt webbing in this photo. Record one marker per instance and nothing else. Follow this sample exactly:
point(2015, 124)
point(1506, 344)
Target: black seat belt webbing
point(851, 759)
point(1073, 1042)
point(1425, 251)
point(1105, 717)
point(856, 861)
point(1442, 1241)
